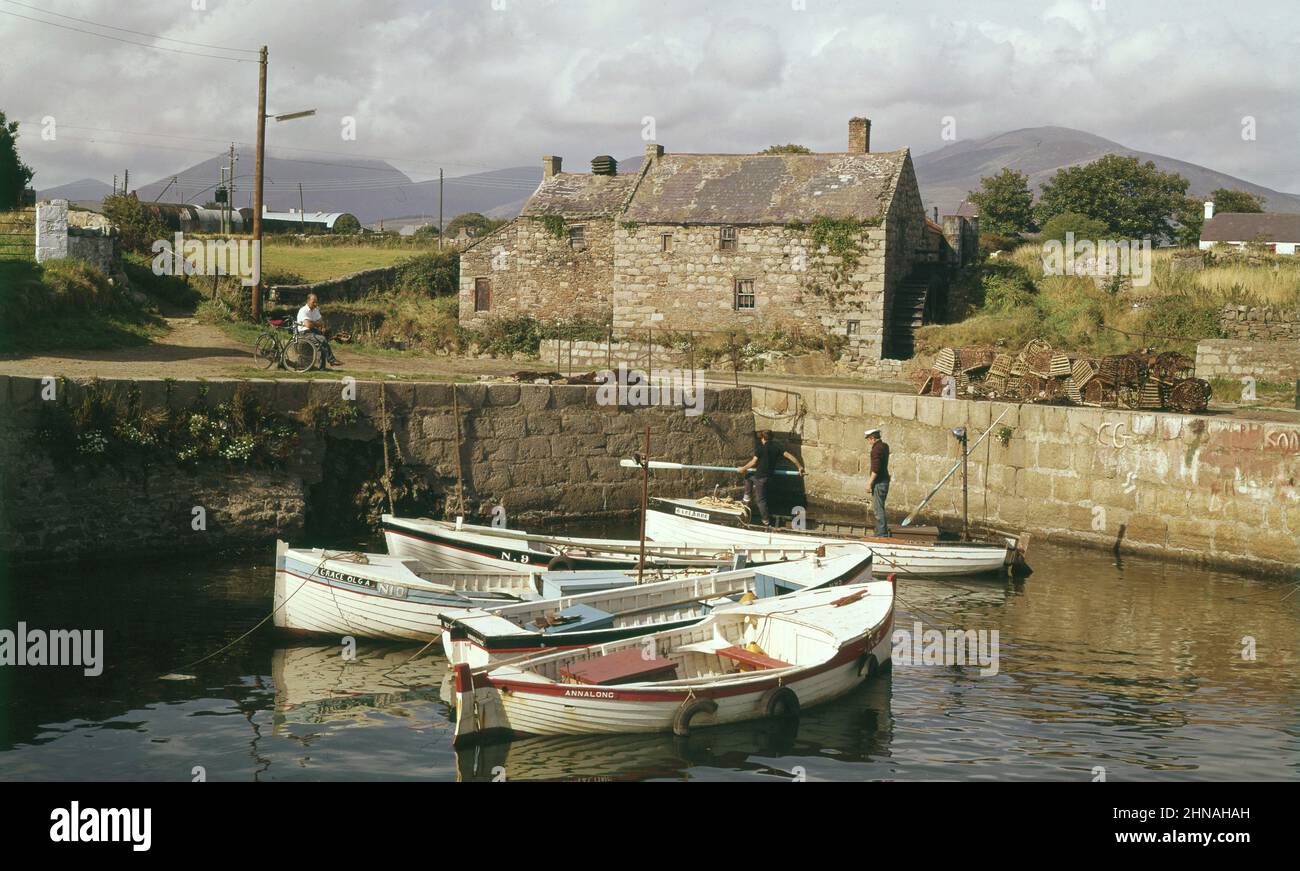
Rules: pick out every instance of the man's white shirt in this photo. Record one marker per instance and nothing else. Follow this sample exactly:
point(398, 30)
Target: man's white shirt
point(307, 314)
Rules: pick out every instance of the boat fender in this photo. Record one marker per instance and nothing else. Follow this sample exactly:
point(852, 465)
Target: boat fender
point(779, 702)
point(867, 665)
point(688, 710)
point(560, 563)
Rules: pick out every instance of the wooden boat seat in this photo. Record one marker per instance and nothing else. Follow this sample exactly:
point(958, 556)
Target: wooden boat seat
point(754, 660)
point(626, 666)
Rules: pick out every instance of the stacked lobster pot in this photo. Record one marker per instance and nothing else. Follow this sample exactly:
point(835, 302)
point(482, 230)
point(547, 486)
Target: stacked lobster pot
point(1038, 373)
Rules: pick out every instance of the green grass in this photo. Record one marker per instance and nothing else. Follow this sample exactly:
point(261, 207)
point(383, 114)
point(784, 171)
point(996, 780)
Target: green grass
point(1268, 394)
point(68, 305)
point(1012, 302)
point(300, 264)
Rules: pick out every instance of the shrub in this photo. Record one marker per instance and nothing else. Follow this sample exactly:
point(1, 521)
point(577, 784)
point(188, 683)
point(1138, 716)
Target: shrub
point(1082, 226)
point(431, 274)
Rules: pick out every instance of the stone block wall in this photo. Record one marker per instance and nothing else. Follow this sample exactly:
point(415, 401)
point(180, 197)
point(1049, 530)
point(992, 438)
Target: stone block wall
point(1209, 489)
point(693, 285)
point(1259, 322)
point(534, 273)
point(347, 287)
point(535, 450)
point(1276, 361)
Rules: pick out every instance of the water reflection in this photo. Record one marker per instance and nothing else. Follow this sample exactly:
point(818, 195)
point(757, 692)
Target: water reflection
point(1136, 667)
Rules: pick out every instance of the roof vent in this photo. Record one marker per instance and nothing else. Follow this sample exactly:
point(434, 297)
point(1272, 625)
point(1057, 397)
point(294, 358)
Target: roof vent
point(604, 165)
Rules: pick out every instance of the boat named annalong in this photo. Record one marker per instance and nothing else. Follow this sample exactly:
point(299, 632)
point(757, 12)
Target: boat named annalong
point(734, 665)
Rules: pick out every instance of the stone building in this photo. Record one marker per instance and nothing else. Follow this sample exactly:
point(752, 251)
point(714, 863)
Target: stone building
point(832, 242)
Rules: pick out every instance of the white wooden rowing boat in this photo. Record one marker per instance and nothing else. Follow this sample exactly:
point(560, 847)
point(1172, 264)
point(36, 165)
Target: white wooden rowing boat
point(772, 657)
point(687, 522)
point(493, 635)
point(379, 596)
point(457, 546)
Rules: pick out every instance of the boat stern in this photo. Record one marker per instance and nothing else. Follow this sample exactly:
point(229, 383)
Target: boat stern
point(479, 712)
point(281, 593)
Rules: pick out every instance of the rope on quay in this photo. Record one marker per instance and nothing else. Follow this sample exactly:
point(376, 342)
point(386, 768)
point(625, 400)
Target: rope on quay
point(179, 674)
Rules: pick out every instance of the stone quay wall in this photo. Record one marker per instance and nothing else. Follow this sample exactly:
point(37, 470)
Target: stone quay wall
point(1221, 491)
point(535, 450)
point(1276, 361)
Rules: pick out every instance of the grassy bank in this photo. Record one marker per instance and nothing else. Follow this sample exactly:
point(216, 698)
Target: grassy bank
point(1013, 301)
point(68, 305)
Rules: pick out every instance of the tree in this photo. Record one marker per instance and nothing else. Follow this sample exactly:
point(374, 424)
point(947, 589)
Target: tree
point(1005, 203)
point(138, 226)
point(1233, 200)
point(14, 174)
point(474, 223)
point(788, 148)
point(1081, 226)
point(1133, 199)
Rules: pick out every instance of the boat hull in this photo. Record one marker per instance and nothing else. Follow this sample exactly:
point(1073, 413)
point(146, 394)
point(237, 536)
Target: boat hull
point(903, 558)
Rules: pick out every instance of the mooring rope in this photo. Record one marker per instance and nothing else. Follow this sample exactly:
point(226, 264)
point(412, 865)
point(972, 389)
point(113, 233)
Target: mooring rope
point(350, 556)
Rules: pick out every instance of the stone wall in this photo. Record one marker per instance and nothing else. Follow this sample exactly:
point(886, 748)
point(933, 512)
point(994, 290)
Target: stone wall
point(693, 285)
point(534, 273)
point(1190, 487)
point(1259, 322)
point(585, 356)
point(348, 287)
point(535, 450)
point(1276, 361)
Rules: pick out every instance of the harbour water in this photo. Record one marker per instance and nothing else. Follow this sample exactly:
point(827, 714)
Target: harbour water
point(1127, 669)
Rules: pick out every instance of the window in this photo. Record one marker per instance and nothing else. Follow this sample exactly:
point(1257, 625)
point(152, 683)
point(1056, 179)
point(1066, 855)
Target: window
point(727, 239)
point(666, 242)
point(482, 295)
point(578, 237)
point(744, 294)
point(851, 328)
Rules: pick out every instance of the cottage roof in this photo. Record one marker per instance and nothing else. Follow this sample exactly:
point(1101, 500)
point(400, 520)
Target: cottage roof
point(1251, 226)
point(766, 188)
point(580, 195)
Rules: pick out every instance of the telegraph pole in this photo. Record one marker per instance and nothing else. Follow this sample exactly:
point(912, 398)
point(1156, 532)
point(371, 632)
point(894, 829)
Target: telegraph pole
point(230, 192)
point(257, 186)
point(439, 208)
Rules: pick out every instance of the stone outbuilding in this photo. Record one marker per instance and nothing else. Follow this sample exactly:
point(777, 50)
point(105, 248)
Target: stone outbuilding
point(832, 242)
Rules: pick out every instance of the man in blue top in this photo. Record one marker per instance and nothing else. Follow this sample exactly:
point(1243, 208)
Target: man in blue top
point(764, 465)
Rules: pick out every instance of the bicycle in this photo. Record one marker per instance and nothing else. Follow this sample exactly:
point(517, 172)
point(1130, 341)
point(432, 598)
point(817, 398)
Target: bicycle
point(283, 345)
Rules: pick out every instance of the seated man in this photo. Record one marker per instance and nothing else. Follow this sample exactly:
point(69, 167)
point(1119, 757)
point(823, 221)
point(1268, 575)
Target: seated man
point(309, 320)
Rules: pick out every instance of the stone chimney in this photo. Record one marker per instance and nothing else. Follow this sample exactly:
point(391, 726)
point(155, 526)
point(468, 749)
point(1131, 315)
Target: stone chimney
point(653, 152)
point(1209, 209)
point(550, 165)
point(859, 135)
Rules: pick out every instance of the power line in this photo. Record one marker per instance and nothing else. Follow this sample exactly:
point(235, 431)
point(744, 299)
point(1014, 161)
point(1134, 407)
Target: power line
point(127, 30)
point(127, 41)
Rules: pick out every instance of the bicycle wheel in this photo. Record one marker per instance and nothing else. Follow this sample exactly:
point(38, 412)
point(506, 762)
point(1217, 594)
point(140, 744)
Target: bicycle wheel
point(266, 352)
point(301, 354)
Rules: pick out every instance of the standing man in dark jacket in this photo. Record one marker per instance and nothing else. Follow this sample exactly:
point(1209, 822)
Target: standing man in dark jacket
point(764, 465)
point(878, 483)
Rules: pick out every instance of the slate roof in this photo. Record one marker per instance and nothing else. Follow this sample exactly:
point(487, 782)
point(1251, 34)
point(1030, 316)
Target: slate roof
point(580, 195)
point(766, 188)
point(1249, 226)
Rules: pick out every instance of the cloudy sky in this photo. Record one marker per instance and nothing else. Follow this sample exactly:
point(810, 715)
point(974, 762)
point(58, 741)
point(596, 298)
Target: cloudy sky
point(482, 84)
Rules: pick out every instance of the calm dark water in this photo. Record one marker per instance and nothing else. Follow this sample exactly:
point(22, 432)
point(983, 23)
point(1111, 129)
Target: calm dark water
point(1131, 665)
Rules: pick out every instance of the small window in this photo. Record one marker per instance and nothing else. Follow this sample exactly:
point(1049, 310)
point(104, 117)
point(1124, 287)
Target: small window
point(744, 294)
point(482, 295)
point(851, 328)
point(727, 239)
point(666, 242)
point(578, 237)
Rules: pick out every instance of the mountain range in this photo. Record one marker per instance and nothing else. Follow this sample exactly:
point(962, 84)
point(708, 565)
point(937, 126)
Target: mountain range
point(374, 190)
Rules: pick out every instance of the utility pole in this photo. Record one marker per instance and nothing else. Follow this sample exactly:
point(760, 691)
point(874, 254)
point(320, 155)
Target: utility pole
point(126, 181)
point(114, 184)
point(257, 186)
point(230, 193)
point(439, 208)
point(302, 217)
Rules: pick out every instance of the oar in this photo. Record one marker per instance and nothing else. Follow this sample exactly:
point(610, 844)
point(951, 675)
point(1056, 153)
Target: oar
point(661, 464)
point(944, 480)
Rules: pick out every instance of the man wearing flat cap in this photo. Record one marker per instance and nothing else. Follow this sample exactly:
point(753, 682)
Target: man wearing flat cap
point(878, 483)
